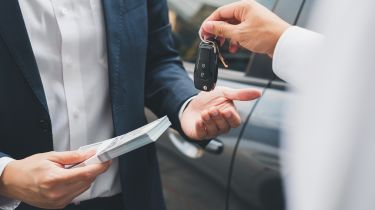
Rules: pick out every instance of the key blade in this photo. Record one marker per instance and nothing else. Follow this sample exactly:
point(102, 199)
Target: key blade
point(223, 61)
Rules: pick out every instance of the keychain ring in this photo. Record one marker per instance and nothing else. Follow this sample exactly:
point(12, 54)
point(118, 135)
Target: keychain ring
point(200, 36)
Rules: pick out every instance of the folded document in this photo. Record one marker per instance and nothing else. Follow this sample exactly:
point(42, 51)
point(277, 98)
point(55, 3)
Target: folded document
point(112, 148)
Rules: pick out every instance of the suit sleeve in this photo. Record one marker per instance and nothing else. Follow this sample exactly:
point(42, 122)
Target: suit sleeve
point(3, 155)
point(168, 85)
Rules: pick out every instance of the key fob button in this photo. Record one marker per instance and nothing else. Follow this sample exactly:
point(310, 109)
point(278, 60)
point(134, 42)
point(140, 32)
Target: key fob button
point(203, 75)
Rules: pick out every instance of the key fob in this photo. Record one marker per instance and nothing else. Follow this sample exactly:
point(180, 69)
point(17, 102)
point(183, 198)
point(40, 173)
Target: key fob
point(206, 66)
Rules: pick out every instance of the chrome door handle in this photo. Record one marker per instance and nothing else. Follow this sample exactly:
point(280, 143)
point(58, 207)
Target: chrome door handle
point(188, 149)
point(215, 147)
point(194, 151)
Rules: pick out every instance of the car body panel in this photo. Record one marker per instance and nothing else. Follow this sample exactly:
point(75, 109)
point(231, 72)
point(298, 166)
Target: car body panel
point(184, 177)
point(245, 175)
point(256, 179)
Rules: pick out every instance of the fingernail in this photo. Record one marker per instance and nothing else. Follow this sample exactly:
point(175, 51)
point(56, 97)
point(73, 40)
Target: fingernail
point(208, 26)
point(228, 114)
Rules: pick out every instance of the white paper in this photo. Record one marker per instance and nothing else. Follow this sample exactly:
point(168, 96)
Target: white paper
point(112, 148)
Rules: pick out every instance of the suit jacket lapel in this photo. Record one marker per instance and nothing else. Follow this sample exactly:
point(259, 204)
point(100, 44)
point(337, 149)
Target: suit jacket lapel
point(14, 33)
point(114, 23)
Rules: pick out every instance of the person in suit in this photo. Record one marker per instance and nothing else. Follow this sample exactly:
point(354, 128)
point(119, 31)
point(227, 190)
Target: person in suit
point(74, 72)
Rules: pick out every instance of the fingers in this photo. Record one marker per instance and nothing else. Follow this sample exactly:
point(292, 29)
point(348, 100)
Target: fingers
point(66, 193)
point(77, 189)
point(200, 129)
point(89, 172)
point(230, 14)
point(209, 124)
point(232, 11)
point(232, 117)
point(214, 123)
point(233, 46)
point(70, 157)
point(69, 183)
point(78, 192)
point(222, 125)
point(241, 94)
point(219, 28)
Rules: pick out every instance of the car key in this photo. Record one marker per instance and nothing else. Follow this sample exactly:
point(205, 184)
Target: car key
point(206, 66)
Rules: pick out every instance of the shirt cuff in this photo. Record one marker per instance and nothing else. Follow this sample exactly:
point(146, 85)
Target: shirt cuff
point(183, 107)
point(295, 49)
point(7, 203)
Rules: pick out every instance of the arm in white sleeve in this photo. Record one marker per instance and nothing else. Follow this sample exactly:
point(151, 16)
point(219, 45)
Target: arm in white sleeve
point(7, 203)
point(296, 48)
point(330, 140)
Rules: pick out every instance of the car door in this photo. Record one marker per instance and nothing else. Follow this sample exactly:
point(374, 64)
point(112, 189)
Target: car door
point(197, 178)
point(256, 181)
point(193, 177)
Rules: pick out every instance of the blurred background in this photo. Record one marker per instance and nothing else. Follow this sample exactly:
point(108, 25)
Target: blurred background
point(186, 18)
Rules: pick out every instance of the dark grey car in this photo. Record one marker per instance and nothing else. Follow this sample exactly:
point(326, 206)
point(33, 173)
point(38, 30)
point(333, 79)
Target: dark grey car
point(239, 170)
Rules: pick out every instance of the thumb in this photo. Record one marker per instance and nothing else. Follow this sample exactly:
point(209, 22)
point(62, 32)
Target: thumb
point(70, 157)
point(219, 28)
point(241, 94)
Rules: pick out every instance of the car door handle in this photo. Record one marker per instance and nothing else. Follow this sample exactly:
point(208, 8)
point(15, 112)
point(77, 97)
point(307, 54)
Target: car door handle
point(214, 147)
point(186, 148)
point(192, 150)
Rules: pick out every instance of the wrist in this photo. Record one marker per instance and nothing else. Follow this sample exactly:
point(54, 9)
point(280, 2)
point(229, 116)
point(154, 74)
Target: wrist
point(6, 179)
point(277, 33)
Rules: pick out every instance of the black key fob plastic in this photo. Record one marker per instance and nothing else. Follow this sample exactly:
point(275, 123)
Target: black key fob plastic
point(206, 66)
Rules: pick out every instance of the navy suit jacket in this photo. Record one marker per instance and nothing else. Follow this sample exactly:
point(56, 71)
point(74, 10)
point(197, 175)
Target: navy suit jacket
point(144, 70)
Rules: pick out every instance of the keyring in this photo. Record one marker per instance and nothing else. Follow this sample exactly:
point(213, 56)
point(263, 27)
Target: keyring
point(207, 41)
point(216, 47)
point(200, 36)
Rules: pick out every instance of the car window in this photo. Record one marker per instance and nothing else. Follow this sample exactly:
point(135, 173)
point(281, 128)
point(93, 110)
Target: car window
point(186, 16)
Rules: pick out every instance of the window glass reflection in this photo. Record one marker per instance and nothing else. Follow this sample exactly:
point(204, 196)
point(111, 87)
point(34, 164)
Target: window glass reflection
point(186, 16)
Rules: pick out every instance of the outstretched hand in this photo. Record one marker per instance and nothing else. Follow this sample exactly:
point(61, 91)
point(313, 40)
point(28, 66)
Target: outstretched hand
point(213, 113)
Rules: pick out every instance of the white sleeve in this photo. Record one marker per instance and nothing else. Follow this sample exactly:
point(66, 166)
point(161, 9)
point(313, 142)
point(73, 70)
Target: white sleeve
point(330, 136)
point(183, 107)
point(7, 203)
point(294, 50)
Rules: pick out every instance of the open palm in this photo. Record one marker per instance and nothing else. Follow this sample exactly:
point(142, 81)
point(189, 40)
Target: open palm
point(213, 113)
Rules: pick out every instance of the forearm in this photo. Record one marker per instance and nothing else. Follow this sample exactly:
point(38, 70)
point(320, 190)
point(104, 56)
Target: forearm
point(167, 84)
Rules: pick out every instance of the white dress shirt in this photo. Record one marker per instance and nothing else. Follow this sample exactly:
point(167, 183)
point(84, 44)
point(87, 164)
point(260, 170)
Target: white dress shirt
point(69, 44)
point(329, 135)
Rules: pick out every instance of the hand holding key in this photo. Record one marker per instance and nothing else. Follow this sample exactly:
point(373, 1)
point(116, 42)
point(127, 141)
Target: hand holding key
point(246, 23)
